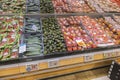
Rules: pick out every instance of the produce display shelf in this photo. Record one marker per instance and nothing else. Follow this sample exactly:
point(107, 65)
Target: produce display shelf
point(60, 54)
point(23, 67)
point(43, 9)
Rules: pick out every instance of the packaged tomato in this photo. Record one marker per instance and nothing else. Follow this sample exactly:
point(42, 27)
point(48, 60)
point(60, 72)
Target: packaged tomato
point(6, 53)
point(69, 49)
point(14, 52)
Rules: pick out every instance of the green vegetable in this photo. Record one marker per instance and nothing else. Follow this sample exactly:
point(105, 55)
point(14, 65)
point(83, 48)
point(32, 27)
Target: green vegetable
point(53, 38)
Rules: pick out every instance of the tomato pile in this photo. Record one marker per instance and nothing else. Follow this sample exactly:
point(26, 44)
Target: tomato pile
point(9, 36)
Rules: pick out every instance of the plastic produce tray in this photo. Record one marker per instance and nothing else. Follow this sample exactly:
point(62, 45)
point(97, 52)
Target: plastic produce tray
point(32, 31)
point(32, 25)
point(34, 45)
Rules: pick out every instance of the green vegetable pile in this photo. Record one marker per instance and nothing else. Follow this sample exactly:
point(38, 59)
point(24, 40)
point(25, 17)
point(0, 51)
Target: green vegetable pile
point(12, 6)
point(53, 38)
point(33, 6)
point(46, 6)
point(34, 45)
point(32, 25)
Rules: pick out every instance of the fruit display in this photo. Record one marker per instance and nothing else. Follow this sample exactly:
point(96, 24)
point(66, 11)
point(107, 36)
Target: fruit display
point(107, 5)
point(52, 27)
point(71, 6)
point(76, 38)
point(116, 1)
point(97, 32)
point(12, 6)
point(46, 6)
point(94, 6)
point(114, 27)
point(9, 36)
point(33, 6)
point(53, 38)
point(34, 44)
point(32, 25)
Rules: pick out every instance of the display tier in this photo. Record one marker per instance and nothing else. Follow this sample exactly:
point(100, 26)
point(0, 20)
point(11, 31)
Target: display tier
point(36, 36)
point(43, 34)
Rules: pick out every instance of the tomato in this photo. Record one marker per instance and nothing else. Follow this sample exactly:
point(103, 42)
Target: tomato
point(69, 49)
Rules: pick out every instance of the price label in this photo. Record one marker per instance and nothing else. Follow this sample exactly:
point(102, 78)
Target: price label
point(117, 53)
point(108, 55)
point(22, 48)
point(82, 1)
point(34, 27)
point(80, 42)
point(32, 67)
point(53, 63)
point(89, 58)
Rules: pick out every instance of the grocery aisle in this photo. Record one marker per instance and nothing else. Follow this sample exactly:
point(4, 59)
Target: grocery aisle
point(87, 75)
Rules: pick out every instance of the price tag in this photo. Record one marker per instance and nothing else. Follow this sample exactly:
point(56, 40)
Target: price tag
point(22, 48)
point(89, 58)
point(108, 55)
point(32, 67)
point(53, 63)
point(80, 42)
point(118, 53)
point(82, 1)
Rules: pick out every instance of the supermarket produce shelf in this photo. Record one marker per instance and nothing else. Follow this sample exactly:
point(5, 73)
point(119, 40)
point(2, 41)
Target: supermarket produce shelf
point(53, 12)
point(25, 67)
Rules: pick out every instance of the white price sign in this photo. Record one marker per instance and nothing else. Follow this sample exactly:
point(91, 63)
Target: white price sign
point(53, 63)
point(89, 57)
point(32, 67)
point(22, 48)
point(108, 55)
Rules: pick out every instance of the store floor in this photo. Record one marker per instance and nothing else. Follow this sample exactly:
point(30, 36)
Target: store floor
point(97, 74)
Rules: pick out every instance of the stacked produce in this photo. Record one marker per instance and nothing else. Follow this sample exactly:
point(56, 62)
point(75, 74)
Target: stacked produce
point(53, 38)
point(33, 6)
point(76, 38)
point(46, 6)
point(32, 25)
point(33, 36)
point(94, 6)
point(116, 1)
point(34, 45)
point(114, 27)
point(71, 6)
point(9, 36)
point(107, 29)
point(107, 5)
point(12, 6)
point(97, 32)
